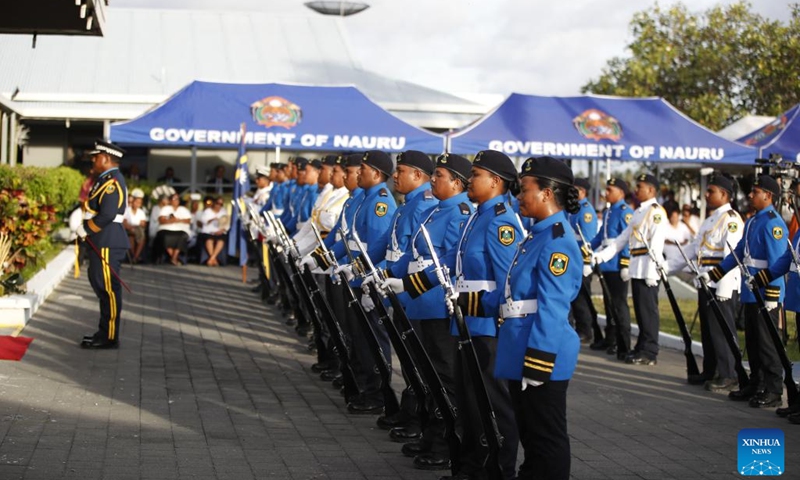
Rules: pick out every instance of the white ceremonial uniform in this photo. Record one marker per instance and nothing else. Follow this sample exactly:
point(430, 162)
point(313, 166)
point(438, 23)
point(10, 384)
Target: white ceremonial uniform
point(262, 195)
point(649, 220)
point(724, 226)
point(324, 215)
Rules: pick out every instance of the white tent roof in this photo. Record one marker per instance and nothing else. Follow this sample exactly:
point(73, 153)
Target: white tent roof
point(743, 126)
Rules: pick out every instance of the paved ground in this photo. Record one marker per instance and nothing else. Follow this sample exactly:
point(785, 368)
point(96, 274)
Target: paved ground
point(209, 383)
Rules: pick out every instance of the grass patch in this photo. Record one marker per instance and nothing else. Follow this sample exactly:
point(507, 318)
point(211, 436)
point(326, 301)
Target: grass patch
point(689, 310)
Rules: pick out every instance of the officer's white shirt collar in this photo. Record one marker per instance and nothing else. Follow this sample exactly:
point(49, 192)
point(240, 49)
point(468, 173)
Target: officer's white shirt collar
point(647, 203)
point(721, 210)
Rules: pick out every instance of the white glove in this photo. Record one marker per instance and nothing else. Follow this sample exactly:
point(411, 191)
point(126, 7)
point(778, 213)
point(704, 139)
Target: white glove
point(703, 277)
point(307, 261)
point(371, 278)
point(587, 270)
point(771, 305)
point(81, 232)
point(393, 284)
point(366, 301)
point(722, 297)
point(624, 274)
point(346, 270)
point(530, 383)
point(604, 254)
point(651, 282)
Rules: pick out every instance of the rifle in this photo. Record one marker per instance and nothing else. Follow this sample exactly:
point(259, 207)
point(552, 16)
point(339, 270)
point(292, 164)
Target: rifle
point(491, 433)
point(788, 380)
point(691, 362)
point(730, 338)
point(390, 403)
point(612, 315)
point(416, 363)
point(301, 290)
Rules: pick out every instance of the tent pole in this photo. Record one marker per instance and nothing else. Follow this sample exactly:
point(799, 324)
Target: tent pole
point(3, 138)
point(193, 175)
point(278, 154)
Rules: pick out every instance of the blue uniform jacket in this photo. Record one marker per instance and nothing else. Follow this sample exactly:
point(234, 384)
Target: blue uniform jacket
point(547, 268)
point(406, 220)
point(106, 204)
point(345, 222)
point(785, 264)
point(615, 220)
point(483, 254)
point(302, 203)
point(762, 245)
point(276, 199)
point(444, 224)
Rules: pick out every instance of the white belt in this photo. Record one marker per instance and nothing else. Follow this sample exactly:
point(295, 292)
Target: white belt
point(752, 262)
point(418, 265)
point(393, 255)
point(793, 267)
point(474, 285)
point(607, 242)
point(519, 308)
point(354, 246)
point(117, 219)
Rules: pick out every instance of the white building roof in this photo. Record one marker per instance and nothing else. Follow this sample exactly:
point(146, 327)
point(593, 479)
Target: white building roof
point(147, 55)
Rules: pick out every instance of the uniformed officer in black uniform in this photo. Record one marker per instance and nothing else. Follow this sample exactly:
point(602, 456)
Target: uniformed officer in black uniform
point(102, 227)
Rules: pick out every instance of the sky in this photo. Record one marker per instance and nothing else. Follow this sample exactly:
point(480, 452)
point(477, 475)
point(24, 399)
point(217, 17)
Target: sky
point(482, 46)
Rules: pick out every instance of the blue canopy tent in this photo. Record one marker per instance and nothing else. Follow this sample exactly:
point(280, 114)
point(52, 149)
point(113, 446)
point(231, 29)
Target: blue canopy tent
point(294, 117)
point(596, 127)
point(781, 136)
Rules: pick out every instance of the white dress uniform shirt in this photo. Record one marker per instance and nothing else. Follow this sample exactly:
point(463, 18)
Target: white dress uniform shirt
point(649, 220)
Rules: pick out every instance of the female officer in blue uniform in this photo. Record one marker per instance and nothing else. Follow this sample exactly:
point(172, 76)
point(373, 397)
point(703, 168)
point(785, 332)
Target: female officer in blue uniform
point(537, 350)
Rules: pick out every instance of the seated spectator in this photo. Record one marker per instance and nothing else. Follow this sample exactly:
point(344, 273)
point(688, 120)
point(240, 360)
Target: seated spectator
point(174, 220)
point(219, 184)
point(214, 224)
point(169, 177)
point(134, 176)
point(135, 223)
point(155, 234)
point(678, 233)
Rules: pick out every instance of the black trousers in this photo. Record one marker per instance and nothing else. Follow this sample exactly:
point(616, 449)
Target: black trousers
point(363, 361)
point(408, 398)
point(473, 453)
point(108, 289)
point(618, 303)
point(645, 307)
point(766, 370)
point(541, 414)
point(322, 337)
point(583, 311)
point(442, 349)
point(717, 355)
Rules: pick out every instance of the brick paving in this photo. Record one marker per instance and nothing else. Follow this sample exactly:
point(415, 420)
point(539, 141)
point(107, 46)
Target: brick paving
point(210, 384)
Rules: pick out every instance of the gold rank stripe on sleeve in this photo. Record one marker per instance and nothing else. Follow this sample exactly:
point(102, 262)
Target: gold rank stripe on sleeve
point(772, 293)
point(637, 252)
point(710, 261)
point(539, 364)
point(764, 277)
point(416, 284)
point(624, 262)
point(716, 274)
point(93, 226)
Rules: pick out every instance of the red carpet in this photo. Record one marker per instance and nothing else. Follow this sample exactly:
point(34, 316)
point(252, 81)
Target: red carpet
point(13, 348)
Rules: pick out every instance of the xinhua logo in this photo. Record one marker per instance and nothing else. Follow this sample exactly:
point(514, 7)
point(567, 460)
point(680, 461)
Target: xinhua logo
point(761, 452)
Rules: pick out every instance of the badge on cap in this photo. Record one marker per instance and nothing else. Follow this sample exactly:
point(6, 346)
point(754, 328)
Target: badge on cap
point(777, 233)
point(381, 209)
point(506, 235)
point(558, 264)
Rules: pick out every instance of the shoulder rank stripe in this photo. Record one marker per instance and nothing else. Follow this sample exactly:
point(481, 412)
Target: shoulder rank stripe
point(500, 208)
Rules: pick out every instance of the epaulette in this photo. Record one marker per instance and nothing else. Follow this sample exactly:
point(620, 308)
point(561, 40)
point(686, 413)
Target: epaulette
point(771, 214)
point(655, 205)
point(558, 230)
point(428, 195)
point(500, 208)
point(464, 208)
point(383, 193)
point(732, 213)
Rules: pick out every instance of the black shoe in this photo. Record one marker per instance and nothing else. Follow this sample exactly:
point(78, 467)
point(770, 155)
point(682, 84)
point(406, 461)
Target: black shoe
point(611, 350)
point(640, 360)
point(257, 288)
point(431, 461)
point(794, 418)
point(338, 382)
point(457, 476)
point(272, 299)
point(290, 322)
point(415, 448)
point(721, 385)
point(328, 375)
point(790, 410)
point(365, 408)
point(599, 345)
point(320, 367)
point(399, 419)
point(93, 343)
point(766, 400)
point(302, 331)
point(744, 394)
point(404, 434)
point(585, 338)
point(622, 356)
point(698, 379)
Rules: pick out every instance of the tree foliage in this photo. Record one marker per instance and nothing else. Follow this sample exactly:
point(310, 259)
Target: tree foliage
point(715, 66)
